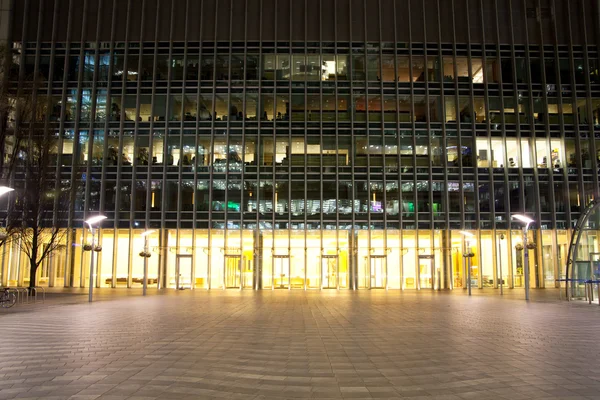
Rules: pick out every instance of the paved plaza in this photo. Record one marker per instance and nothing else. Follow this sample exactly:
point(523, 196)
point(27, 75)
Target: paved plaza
point(281, 344)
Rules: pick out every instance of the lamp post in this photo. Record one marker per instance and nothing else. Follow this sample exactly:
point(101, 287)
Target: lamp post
point(146, 254)
point(527, 221)
point(93, 248)
point(468, 254)
point(500, 264)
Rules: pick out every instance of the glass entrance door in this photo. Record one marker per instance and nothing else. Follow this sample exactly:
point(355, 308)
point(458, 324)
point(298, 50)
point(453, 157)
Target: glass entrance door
point(330, 272)
point(281, 272)
point(378, 272)
point(426, 272)
point(183, 272)
point(232, 272)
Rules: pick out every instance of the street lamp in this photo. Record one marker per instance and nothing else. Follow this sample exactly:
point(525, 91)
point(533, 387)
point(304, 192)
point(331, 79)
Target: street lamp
point(96, 220)
point(527, 221)
point(500, 264)
point(5, 189)
point(468, 255)
point(146, 254)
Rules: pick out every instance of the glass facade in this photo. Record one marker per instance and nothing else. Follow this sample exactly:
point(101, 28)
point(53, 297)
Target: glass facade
point(314, 165)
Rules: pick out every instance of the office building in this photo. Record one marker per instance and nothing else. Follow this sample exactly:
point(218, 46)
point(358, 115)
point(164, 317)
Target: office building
point(314, 144)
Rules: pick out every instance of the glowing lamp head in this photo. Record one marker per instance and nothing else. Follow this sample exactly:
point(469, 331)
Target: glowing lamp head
point(5, 189)
point(523, 218)
point(95, 220)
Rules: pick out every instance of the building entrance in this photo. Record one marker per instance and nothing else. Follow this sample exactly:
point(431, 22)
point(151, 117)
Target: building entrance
point(330, 272)
point(378, 272)
point(232, 272)
point(281, 272)
point(426, 271)
point(183, 272)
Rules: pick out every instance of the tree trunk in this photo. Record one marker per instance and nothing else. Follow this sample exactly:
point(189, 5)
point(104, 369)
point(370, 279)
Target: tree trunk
point(32, 274)
point(33, 265)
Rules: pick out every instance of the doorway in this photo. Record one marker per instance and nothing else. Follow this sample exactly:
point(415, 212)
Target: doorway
point(329, 272)
point(281, 272)
point(232, 273)
point(378, 272)
point(426, 271)
point(183, 271)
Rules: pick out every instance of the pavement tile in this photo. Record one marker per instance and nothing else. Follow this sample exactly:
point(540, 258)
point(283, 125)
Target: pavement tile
point(295, 344)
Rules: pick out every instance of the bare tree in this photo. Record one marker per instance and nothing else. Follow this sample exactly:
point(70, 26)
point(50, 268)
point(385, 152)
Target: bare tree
point(37, 213)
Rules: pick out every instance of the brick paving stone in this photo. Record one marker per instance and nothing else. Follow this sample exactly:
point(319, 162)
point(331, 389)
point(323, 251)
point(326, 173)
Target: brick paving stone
point(295, 344)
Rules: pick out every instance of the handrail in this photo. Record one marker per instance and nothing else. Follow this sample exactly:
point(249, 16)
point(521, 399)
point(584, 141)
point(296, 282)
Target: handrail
point(589, 290)
point(572, 251)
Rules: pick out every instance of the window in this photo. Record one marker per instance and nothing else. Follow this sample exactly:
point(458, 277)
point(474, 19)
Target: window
point(536, 71)
point(525, 153)
point(342, 67)
point(89, 66)
point(207, 65)
point(513, 154)
point(484, 156)
point(221, 109)
point(358, 68)
point(462, 70)
point(450, 108)
point(492, 71)
point(403, 69)
point(479, 109)
point(251, 67)
point(571, 153)
point(73, 68)
point(313, 68)
point(177, 68)
point(205, 107)
point(550, 66)
point(133, 65)
point(579, 71)
point(521, 67)
point(418, 69)
point(192, 69)
point(542, 154)
point(477, 70)
point(276, 67)
point(222, 68)
point(373, 73)
point(237, 68)
point(497, 154)
point(594, 72)
point(582, 112)
point(236, 107)
point(146, 73)
point(190, 107)
point(251, 105)
point(388, 68)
